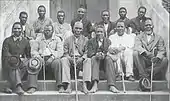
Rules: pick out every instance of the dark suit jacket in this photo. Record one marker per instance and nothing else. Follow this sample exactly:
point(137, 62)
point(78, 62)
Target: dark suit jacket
point(136, 25)
point(93, 48)
point(87, 26)
point(14, 48)
point(141, 44)
point(111, 26)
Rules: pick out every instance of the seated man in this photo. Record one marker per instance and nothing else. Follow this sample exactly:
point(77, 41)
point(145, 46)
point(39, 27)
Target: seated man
point(145, 44)
point(75, 45)
point(49, 49)
point(16, 48)
point(97, 49)
point(61, 28)
point(123, 43)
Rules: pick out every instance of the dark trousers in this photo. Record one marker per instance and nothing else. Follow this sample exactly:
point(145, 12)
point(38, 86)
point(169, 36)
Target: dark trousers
point(109, 65)
point(143, 64)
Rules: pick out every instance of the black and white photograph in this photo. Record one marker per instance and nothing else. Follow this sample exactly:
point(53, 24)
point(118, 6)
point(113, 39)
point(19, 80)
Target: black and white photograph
point(84, 50)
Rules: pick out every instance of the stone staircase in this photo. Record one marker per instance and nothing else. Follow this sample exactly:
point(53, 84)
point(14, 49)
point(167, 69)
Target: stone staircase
point(160, 93)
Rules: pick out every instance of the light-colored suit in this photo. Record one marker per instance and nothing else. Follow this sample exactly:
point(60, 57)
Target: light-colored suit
point(125, 56)
point(67, 60)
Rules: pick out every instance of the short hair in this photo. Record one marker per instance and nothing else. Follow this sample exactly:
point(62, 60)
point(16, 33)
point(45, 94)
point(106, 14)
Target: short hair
point(23, 12)
point(122, 8)
point(16, 24)
point(49, 26)
point(142, 7)
point(148, 18)
point(77, 22)
point(105, 11)
point(61, 11)
point(120, 21)
point(41, 6)
point(100, 26)
point(83, 6)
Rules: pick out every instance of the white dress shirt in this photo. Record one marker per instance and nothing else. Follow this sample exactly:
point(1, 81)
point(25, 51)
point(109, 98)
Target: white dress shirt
point(106, 27)
point(125, 40)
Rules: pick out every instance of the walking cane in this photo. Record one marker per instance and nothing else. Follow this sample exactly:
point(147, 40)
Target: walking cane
point(75, 72)
point(43, 64)
point(152, 75)
point(123, 80)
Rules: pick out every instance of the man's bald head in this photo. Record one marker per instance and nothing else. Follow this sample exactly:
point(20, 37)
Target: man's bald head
point(78, 28)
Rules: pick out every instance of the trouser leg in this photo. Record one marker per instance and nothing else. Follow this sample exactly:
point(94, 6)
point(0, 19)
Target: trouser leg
point(15, 76)
point(110, 71)
point(128, 60)
point(87, 69)
point(95, 68)
point(66, 77)
point(57, 69)
point(31, 78)
point(140, 63)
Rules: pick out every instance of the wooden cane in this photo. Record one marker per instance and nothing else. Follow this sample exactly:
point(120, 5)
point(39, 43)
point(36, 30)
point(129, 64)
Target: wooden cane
point(152, 75)
point(123, 80)
point(43, 64)
point(75, 72)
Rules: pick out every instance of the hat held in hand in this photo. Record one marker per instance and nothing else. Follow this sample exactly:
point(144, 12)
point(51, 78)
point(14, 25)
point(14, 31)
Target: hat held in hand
point(34, 65)
point(14, 62)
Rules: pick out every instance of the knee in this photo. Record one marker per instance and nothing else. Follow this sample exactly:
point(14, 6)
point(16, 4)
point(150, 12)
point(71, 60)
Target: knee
point(128, 52)
point(108, 59)
point(165, 60)
point(135, 53)
point(87, 60)
point(56, 63)
point(64, 59)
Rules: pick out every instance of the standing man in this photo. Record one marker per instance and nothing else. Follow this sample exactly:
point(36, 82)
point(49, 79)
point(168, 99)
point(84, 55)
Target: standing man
point(87, 26)
point(61, 28)
point(15, 57)
point(28, 31)
point(145, 44)
point(41, 22)
point(138, 22)
point(108, 25)
point(97, 49)
point(49, 49)
point(76, 45)
point(124, 43)
point(123, 17)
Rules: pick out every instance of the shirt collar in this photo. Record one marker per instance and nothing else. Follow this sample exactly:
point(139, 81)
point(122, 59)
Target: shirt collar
point(150, 34)
point(53, 37)
point(17, 38)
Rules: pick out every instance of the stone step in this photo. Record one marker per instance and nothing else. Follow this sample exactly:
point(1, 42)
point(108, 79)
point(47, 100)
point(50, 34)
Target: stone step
point(50, 85)
point(98, 96)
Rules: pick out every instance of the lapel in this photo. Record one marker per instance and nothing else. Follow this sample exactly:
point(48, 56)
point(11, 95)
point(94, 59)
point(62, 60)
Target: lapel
point(79, 44)
point(108, 29)
point(153, 41)
point(151, 44)
point(144, 40)
point(95, 44)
